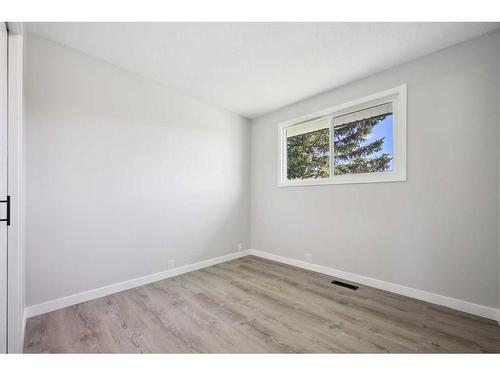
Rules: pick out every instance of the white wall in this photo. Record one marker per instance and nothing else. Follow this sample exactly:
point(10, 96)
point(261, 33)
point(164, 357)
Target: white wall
point(123, 174)
point(436, 232)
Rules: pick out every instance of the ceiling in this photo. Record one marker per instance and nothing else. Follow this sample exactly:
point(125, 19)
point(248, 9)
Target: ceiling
point(255, 68)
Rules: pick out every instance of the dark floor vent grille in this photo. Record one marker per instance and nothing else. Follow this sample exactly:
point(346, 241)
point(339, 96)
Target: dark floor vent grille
point(345, 285)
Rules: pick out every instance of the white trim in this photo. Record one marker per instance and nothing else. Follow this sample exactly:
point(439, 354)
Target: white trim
point(398, 97)
point(457, 304)
point(74, 299)
point(498, 156)
point(23, 330)
point(16, 190)
point(460, 305)
point(4, 35)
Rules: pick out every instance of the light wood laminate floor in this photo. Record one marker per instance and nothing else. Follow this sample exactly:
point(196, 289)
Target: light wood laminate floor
point(254, 305)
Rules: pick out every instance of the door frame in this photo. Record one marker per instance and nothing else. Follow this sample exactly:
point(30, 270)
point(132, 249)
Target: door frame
point(4, 184)
point(16, 321)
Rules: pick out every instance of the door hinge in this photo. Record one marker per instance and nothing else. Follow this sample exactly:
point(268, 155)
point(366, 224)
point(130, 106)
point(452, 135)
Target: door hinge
point(7, 219)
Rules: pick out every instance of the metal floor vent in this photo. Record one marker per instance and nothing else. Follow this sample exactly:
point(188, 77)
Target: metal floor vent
point(345, 285)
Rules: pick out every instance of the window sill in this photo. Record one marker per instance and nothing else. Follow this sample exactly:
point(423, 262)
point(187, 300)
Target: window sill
point(362, 178)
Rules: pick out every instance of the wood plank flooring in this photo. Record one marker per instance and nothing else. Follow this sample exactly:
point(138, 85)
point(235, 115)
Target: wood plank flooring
point(254, 305)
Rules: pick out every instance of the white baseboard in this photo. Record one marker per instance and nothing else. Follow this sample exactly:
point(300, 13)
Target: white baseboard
point(460, 305)
point(45, 307)
point(23, 330)
point(457, 304)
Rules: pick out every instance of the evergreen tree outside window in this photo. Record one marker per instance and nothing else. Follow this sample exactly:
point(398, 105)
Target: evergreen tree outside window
point(308, 150)
point(363, 141)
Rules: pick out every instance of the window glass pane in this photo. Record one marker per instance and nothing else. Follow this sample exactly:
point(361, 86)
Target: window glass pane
point(308, 150)
point(363, 141)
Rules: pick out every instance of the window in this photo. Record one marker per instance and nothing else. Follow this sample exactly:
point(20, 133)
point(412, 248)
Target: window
point(358, 142)
point(308, 150)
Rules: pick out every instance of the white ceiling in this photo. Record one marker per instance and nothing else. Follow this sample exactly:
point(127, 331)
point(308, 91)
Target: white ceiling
point(254, 68)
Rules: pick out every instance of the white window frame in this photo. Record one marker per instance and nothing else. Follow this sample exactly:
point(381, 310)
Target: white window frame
point(396, 96)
